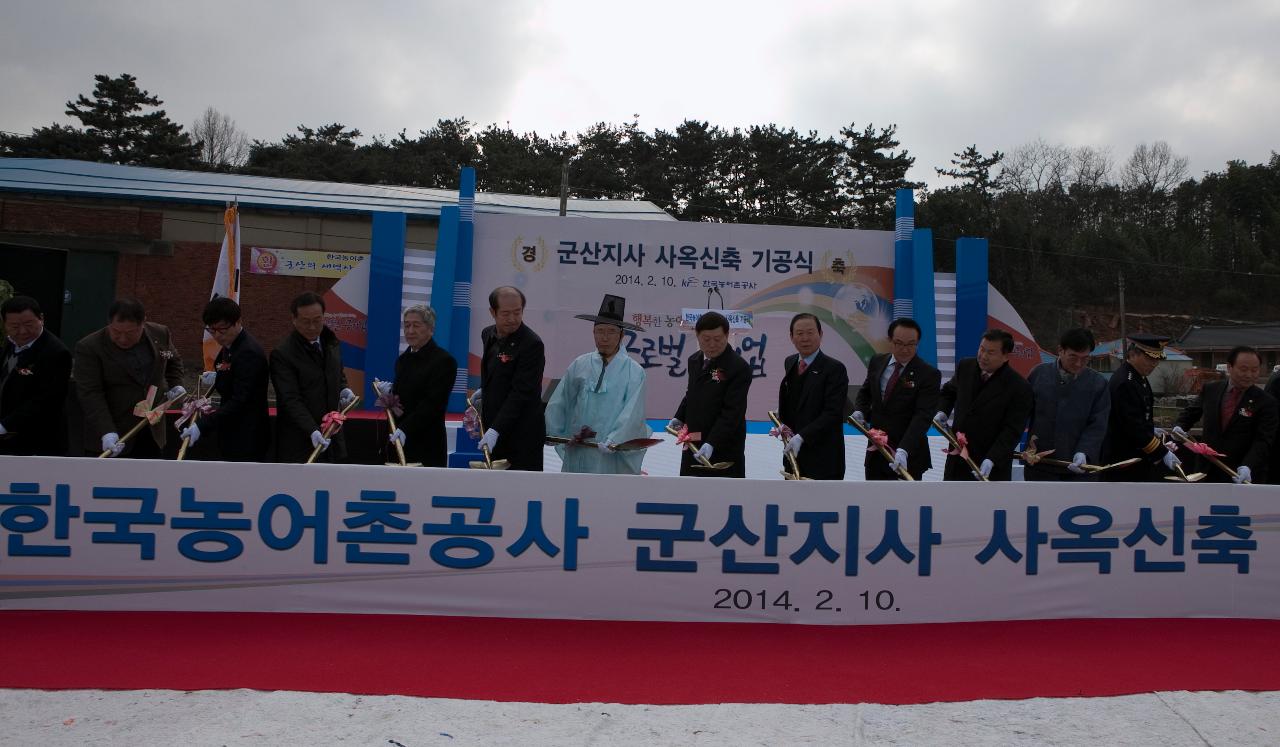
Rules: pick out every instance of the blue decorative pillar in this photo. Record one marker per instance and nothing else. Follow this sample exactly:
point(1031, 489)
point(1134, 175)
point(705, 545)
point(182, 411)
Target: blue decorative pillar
point(923, 286)
point(386, 273)
point(971, 295)
point(903, 277)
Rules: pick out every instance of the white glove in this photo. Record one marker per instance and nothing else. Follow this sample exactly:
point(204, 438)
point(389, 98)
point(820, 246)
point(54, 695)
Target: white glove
point(1177, 431)
point(674, 424)
point(208, 378)
point(489, 440)
point(318, 439)
point(175, 392)
point(111, 442)
point(475, 399)
point(604, 445)
point(383, 388)
point(1076, 463)
point(940, 417)
point(794, 444)
point(191, 433)
point(1243, 475)
point(3, 431)
point(1170, 460)
point(398, 436)
point(857, 415)
point(346, 397)
point(986, 467)
point(899, 460)
point(705, 451)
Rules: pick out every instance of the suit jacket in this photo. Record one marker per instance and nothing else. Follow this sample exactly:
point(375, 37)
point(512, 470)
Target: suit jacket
point(991, 415)
point(242, 421)
point(109, 388)
point(1068, 417)
point(1248, 435)
point(715, 405)
point(1131, 429)
point(307, 386)
point(812, 405)
point(423, 381)
point(511, 400)
point(904, 417)
point(33, 397)
point(1273, 472)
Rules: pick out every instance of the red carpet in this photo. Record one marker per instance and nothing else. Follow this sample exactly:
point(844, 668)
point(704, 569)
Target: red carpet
point(558, 661)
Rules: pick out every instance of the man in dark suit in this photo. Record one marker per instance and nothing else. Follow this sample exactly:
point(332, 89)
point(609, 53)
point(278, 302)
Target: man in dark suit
point(306, 370)
point(425, 373)
point(899, 397)
point(241, 421)
point(1071, 410)
point(510, 391)
point(1131, 428)
point(35, 373)
point(989, 403)
point(1240, 419)
point(1273, 471)
point(811, 402)
point(113, 369)
point(715, 401)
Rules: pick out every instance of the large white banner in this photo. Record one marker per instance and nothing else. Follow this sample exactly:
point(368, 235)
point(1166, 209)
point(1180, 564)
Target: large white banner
point(565, 266)
point(128, 535)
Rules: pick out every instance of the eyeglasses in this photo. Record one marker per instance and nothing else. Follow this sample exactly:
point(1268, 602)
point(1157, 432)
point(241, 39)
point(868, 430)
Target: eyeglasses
point(218, 330)
point(905, 345)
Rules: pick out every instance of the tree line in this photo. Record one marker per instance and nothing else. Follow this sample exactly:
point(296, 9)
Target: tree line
point(1064, 222)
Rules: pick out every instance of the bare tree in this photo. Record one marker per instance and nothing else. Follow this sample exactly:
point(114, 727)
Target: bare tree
point(1036, 166)
point(1090, 166)
point(221, 142)
point(1154, 168)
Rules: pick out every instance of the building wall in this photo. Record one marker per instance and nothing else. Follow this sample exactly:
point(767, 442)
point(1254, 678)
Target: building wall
point(167, 254)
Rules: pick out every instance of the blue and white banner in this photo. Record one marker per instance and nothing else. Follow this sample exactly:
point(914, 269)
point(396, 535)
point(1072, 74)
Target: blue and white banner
point(128, 535)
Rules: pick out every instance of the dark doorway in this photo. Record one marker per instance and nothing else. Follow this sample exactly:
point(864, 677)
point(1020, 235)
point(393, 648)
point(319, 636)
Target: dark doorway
point(39, 273)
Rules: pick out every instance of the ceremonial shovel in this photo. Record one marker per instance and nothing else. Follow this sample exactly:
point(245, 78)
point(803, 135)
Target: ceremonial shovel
point(884, 450)
point(794, 473)
point(488, 462)
point(1191, 442)
point(703, 462)
point(960, 450)
point(389, 402)
point(150, 415)
point(331, 429)
point(1032, 456)
point(634, 444)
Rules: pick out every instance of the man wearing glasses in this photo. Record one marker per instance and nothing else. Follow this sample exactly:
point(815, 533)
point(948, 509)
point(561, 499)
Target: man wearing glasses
point(239, 375)
point(1071, 411)
point(899, 397)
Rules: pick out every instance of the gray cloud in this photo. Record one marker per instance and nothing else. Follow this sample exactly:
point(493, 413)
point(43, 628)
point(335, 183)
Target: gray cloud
point(1203, 76)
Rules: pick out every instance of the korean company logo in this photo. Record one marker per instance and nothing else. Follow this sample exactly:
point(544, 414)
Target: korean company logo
point(529, 256)
point(267, 261)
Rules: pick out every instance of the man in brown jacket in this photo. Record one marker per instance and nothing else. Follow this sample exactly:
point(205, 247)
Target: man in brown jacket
point(113, 369)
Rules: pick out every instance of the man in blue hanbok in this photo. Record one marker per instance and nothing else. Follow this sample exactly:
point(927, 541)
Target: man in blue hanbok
point(600, 399)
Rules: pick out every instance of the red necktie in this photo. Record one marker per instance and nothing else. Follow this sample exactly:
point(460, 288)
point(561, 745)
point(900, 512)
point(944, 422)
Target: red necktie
point(893, 379)
point(800, 367)
point(1229, 402)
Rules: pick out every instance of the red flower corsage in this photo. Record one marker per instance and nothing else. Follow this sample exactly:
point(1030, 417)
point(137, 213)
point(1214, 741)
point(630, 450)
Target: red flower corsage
point(223, 366)
point(25, 372)
point(717, 375)
point(503, 357)
point(1246, 412)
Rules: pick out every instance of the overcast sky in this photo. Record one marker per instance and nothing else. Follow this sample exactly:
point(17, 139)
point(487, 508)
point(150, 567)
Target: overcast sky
point(1204, 76)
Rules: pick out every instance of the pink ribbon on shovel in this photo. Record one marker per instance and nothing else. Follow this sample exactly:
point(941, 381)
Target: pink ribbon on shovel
point(334, 419)
point(685, 437)
point(192, 407)
point(878, 439)
point(783, 434)
point(962, 451)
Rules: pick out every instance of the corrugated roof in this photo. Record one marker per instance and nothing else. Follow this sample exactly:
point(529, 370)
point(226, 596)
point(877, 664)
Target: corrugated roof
point(86, 178)
point(1115, 349)
point(1228, 336)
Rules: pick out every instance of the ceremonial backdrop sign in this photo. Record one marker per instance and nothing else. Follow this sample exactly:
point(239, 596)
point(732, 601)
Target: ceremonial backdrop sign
point(564, 266)
point(127, 535)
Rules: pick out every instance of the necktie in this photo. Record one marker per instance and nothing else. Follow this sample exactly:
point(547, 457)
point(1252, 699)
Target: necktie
point(1229, 402)
point(986, 376)
point(893, 379)
point(315, 347)
point(800, 367)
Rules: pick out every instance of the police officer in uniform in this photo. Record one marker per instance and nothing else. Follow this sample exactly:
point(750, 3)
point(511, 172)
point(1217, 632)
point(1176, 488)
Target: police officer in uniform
point(1130, 428)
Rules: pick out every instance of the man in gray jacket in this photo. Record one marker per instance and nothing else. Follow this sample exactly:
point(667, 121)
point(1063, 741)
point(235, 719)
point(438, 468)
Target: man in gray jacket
point(1072, 406)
